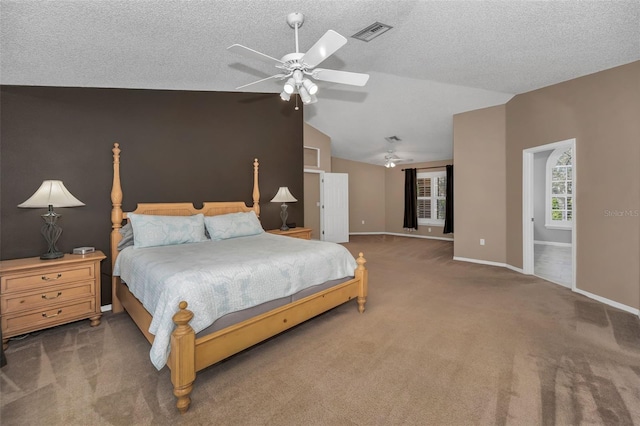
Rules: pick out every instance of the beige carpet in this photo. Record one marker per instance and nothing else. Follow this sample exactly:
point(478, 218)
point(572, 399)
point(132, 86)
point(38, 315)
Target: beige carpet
point(441, 343)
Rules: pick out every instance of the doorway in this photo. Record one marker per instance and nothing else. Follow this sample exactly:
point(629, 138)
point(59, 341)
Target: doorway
point(549, 212)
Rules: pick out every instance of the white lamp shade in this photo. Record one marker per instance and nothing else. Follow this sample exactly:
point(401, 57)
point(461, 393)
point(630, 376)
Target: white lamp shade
point(290, 86)
point(283, 196)
point(304, 95)
point(51, 193)
point(311, 87)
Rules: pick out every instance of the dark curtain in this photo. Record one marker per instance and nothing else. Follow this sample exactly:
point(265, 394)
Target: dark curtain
point(448, 218)
point(410, 199)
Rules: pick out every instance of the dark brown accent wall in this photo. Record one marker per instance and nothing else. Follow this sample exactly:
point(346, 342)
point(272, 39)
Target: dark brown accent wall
point(176, 146)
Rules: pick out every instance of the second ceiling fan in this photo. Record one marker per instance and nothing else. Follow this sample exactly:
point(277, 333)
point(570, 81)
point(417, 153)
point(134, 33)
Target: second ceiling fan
point(391, 159)
point(296, 66)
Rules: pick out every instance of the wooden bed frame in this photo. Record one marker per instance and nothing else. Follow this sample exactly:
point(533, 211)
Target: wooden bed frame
point(188, 353)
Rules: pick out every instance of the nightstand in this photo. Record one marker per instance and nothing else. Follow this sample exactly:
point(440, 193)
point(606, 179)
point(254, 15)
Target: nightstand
point(37, 294)
point(304, 233)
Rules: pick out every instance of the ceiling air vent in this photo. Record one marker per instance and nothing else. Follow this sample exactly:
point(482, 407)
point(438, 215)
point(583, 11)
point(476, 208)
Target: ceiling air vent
point(372, 31)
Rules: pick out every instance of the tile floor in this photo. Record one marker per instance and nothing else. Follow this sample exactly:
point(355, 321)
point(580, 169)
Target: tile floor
point(553, 263)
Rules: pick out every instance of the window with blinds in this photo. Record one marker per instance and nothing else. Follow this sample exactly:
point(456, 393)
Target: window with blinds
point(432, 192)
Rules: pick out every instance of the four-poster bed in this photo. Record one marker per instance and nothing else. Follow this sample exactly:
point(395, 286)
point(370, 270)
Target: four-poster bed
point(191, 352)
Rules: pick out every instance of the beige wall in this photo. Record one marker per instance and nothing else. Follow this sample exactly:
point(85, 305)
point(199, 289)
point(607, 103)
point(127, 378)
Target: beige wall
point(394, 201)
point(602, 112)
point(366, 194)
point(315, 138)
point(480, 211)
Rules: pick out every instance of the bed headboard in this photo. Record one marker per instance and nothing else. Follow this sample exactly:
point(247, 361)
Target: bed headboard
point(169, 209)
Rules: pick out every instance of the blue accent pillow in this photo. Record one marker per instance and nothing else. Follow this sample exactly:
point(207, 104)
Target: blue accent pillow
point(232, 225)
point(153, 230)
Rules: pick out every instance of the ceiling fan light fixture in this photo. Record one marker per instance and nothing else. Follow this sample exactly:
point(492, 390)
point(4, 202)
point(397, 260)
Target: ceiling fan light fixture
point(290, 86)
point(285, 96)
point(311, 87)
point(304, 95)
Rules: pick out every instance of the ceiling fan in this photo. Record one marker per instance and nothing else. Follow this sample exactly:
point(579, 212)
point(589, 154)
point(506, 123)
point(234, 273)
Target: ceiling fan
point(391, 159)
point(296, 67)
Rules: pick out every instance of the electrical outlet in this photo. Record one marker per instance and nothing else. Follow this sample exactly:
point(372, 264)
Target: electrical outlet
point(363, 222)
point(429, 229)
point(481, 241)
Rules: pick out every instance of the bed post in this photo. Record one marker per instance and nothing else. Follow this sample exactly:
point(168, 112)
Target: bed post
point(361, 273)
point(256, 188)
point(182, 358)
point(116, 224)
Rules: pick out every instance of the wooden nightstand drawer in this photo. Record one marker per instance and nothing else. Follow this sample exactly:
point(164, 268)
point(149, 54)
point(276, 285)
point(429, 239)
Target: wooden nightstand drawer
point(302, 233)
point(50, 295)
point(47, 277)
point(302, 236)
point(13, 324)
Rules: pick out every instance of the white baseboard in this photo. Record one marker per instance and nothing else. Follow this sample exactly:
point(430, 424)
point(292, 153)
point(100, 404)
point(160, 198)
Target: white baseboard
point(577, 290)
point(551, 243)
point(487, 262)
point(397, 234)
point(105, 308)
point(609, 302)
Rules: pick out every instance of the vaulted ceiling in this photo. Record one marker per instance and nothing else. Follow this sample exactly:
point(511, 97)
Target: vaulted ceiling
point(440, 58)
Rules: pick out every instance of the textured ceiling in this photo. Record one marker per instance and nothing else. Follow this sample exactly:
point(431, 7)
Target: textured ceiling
point(441, 57)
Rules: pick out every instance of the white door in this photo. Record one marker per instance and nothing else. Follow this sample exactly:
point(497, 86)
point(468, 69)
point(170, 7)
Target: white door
point(335, 207)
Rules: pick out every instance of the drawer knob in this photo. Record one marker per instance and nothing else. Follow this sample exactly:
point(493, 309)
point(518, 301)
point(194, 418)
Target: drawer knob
point(46, 278)
point(44, 314)
point(44, 296)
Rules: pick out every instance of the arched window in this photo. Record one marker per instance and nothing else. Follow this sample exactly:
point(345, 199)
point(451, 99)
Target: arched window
point(559, 191)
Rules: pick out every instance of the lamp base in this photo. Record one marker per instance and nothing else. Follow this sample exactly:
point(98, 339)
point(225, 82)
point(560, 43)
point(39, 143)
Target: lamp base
point(51, 232)
point(52, 255)
point(283, 216)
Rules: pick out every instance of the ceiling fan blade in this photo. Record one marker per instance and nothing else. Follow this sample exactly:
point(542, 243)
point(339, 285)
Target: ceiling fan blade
point(260, 81)
point(325, 47)
point(344, 77)
point(250, 53)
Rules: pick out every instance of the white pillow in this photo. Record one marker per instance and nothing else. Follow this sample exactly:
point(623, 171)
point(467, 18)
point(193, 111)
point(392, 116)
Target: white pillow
point(232, 225)
point(153, 230)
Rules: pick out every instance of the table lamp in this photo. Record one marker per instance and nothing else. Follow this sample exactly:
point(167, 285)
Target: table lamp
point(284, 196)
point(51, 193)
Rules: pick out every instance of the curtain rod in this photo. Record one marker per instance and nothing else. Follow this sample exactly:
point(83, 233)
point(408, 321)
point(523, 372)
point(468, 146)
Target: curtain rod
point(425, 168)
